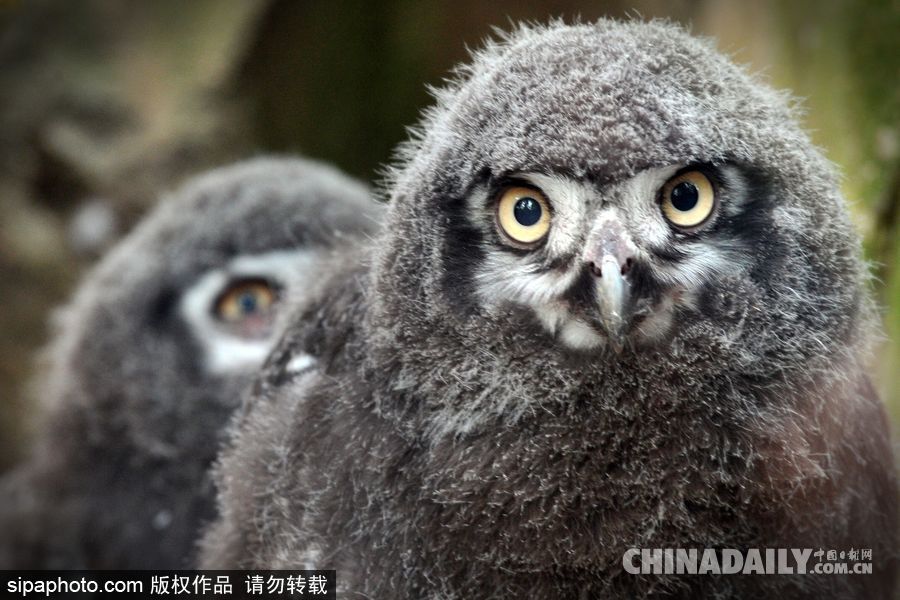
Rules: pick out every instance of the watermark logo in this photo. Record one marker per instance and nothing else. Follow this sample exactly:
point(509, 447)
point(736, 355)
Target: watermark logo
point(753, 561)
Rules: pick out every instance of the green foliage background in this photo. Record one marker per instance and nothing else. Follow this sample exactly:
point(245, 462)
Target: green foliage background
point(117, 102)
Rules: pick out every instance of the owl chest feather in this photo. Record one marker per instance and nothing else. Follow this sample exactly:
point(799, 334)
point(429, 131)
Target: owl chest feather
point(564, 470)
point(557, 496)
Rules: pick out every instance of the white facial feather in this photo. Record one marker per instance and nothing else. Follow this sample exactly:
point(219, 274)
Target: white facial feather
point(300, 363)
point(637, 204)
point(224, 351)
point(570, 202)
point(578, 335)
point(505, 278)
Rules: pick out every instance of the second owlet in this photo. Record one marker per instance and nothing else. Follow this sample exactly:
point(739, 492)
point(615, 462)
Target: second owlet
point(617, 303)
point(151, 357)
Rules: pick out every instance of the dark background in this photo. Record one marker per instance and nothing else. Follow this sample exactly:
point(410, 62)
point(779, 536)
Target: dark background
point(104, 105)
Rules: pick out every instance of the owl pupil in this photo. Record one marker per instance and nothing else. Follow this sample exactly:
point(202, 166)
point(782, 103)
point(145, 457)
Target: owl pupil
point(685, 196)
point(247, 303)
point(527, 211)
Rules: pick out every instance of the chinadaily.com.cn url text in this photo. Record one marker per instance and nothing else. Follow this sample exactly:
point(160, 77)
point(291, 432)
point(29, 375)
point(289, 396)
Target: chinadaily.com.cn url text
point(753, 561)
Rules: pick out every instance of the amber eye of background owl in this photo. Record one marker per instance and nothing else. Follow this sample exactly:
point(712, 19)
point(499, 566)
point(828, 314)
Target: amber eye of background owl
point(523, 214)
point(688, 199)
point(243, 299)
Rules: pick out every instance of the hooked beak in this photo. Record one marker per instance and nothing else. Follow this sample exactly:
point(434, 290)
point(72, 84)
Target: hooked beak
point(610, 254)
point(612, 293)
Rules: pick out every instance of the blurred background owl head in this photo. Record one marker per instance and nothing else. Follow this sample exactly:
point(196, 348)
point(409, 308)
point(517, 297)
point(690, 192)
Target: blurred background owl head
point(107, 105)
point(151, 356)
point(163, 335)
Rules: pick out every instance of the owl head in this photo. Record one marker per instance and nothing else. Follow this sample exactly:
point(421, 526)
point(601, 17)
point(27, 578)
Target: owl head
point(612, 189)
point(163, 335)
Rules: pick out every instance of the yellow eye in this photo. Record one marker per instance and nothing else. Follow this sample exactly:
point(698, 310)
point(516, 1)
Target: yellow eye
point(523, 214)
point(688, 199)
point(243, 299)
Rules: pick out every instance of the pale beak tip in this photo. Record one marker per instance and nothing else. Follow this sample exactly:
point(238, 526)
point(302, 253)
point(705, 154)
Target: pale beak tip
point(616, 343)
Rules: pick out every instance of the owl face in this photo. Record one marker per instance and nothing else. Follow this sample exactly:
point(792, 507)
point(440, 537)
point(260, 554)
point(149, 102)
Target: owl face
point(602, 265)
point(617, 186)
